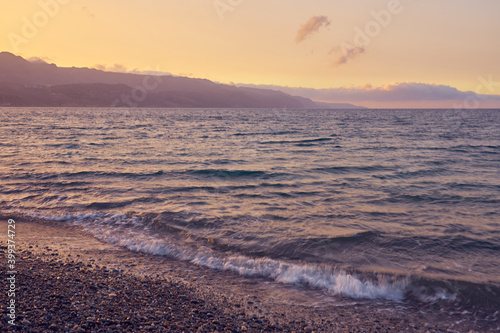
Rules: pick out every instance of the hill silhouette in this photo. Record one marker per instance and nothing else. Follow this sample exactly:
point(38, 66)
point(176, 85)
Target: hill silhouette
point(25, 83)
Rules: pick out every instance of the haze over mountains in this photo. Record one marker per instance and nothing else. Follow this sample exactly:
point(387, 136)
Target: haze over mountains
point(25, 83)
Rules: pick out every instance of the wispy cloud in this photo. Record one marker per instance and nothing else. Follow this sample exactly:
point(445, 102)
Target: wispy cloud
point(88, 12)
point(39, 60)
point(311, 26)
point(115, 68)
point(119, 68)
point(348, 55)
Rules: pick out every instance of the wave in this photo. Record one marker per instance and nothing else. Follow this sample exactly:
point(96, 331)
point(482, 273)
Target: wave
point(228, 174)
point(353, 169)
point(315, 249)
point(102, 205)
point(265, 133)
point(140, 234)
point(330, 279)
point(216, 173)
point(442, 199)
point(457, 243)
point(427, 172)
point(297, 142)
point(131, 233)
point(93, 174)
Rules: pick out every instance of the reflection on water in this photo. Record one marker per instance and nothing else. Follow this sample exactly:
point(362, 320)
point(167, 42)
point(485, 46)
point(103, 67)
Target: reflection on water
point(404, 191)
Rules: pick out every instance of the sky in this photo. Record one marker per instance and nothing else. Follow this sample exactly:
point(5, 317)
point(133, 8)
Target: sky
point(377, 53)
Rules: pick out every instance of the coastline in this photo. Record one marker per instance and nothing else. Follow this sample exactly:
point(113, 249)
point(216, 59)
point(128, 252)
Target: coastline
point(69, 281)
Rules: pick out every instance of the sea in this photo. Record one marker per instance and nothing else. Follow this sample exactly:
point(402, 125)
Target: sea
point(398, 205)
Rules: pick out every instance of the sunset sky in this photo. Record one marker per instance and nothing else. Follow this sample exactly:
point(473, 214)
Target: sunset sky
point(378, 53)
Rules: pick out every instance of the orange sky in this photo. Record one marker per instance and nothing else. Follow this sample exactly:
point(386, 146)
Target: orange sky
point(342, 43)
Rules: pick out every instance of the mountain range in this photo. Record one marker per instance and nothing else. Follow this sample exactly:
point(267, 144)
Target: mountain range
point(27, 83)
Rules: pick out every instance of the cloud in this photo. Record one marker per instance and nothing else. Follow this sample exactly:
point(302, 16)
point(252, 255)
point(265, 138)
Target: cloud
point(39, 60)
point(150, 72)
point(313, 25)
point(119, 68)
point(88, 12)
point(406, 93)
point(115, 68)
point(99, 67)
point(348, 55)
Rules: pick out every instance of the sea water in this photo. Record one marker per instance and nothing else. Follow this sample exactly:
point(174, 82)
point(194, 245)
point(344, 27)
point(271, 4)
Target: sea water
point(367, 204)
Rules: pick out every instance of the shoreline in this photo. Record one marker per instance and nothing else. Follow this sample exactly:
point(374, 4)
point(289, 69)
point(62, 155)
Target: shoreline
point(68, 281)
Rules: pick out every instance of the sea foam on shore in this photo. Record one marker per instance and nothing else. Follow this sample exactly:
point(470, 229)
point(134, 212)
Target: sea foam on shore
point(71, 275)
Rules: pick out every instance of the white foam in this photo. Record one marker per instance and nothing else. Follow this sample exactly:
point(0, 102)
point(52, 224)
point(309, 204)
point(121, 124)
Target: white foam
point(438, 294)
